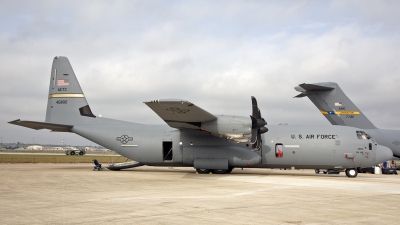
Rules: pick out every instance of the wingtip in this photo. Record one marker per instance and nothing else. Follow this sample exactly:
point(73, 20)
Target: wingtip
point(15, 121)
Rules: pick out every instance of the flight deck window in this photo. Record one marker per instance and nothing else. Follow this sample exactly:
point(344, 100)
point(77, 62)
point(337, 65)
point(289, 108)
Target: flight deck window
point(362, 135)
point(278, 150)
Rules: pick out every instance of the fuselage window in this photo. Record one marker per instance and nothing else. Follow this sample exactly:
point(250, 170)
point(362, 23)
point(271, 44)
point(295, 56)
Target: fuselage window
point(278, 150)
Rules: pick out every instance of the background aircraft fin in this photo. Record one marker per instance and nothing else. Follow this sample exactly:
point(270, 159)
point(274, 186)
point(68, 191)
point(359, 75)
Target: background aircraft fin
point(334, 104)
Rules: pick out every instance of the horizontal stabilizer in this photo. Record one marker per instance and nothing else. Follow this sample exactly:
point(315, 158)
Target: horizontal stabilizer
point(40, 125)
point(314, 87)
point(306, 89)
point(300, 95)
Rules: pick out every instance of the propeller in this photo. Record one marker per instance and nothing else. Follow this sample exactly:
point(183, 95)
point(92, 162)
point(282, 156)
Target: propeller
point(257, 126)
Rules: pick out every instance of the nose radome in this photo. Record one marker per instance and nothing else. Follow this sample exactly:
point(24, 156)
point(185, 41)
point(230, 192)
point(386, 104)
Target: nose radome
point(383, 154)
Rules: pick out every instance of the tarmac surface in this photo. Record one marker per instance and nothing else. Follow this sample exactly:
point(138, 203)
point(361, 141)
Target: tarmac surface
point(75, 194)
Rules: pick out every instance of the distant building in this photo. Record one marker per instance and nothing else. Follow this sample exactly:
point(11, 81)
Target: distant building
point(35, 147)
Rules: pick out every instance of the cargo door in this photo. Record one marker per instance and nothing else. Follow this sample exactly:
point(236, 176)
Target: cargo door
point(167, 151)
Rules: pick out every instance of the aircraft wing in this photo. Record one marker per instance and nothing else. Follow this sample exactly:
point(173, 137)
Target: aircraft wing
point(42, 125)
point(179, 113)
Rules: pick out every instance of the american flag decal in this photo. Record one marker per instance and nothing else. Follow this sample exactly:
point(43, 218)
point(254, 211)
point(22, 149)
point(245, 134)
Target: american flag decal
point(62, 82)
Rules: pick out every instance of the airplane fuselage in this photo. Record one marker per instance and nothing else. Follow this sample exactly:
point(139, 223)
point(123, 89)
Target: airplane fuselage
point(388, 138)
point(312, 147)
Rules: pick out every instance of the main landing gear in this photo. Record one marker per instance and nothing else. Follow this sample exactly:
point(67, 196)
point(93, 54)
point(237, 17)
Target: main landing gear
point(205, 171)
point(351, 173)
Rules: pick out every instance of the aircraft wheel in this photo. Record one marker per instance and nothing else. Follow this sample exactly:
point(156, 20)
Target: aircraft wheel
point(351, 173)
point(203, 170)
point(325, 172)
point(317, 171)
point(220, 171)
point(80, 153)
point(72, 153)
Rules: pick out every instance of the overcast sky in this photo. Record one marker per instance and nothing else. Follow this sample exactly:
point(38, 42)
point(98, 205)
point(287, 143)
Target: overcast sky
point(215, 54)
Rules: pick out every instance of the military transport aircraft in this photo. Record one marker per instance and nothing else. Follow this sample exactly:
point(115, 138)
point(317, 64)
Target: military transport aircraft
point(333, 103)
point(12, 147)
point(207, 142)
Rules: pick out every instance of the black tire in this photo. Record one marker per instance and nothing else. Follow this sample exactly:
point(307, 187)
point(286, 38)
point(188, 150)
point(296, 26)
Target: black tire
point(317, 171)
point(220, 171)
point(325, 172)
point(80, 153)
point(72, 153)
point(203, 171)
point(352, 173)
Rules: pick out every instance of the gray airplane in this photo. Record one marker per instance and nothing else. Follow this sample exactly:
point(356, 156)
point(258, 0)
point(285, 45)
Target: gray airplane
point(207, 142)
point(340, 110)
point(12, 147)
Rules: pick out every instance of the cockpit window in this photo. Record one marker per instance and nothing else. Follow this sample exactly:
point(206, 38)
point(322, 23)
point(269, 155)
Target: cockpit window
point(362, 135)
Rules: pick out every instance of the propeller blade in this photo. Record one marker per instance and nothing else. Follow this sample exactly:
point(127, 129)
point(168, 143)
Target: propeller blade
point(261, 122)
point(257, 123)
point(256, 111)
point(262, 130)
point(253, 136)
point(257, 145)
point(257, 126)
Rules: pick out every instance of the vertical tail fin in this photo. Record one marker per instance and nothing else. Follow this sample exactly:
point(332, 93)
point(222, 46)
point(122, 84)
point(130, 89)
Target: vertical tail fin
point(67, 103)
point(334, 104)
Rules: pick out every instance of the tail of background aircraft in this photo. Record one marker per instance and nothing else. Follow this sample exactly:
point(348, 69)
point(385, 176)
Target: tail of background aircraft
point(334, 104)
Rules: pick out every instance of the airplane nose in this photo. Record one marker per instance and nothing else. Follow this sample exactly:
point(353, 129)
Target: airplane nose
point(383, 154)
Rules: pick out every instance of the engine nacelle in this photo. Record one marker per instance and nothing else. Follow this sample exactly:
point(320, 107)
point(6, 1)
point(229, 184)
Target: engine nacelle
point(231, 127)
